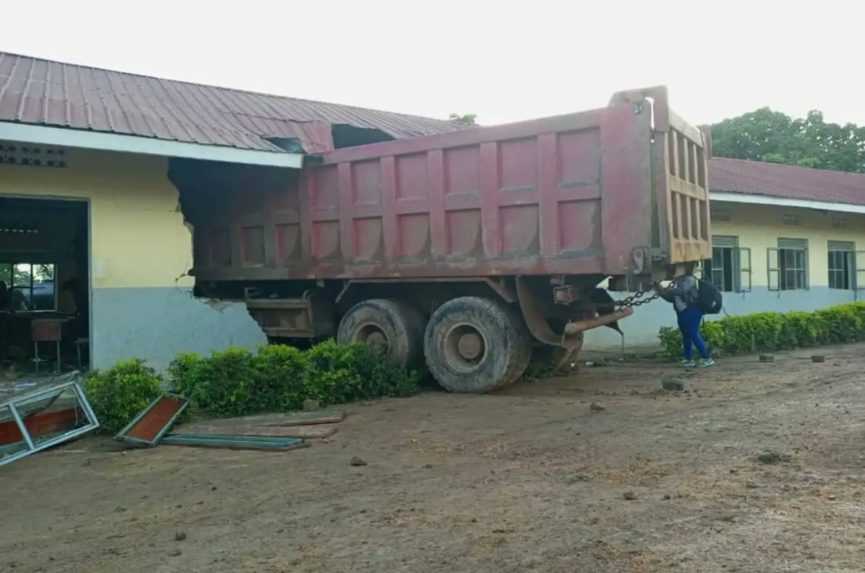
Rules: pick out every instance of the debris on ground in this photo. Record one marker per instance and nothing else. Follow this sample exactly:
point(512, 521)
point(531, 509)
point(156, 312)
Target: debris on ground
point(595, 407)
point(44, 417)
point(673, 384)
point(629, 495)
point(180, 536)
point(357, 461)
point(818, 358)
point(234, 442)
point(148, 427)
point(767, 358)
point(770, 458)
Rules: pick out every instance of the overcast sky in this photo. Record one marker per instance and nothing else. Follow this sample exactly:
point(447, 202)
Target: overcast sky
point(502, 60)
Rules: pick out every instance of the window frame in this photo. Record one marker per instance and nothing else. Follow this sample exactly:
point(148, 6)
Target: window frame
point(848, 249)
point(30, 288)
point(781, 267)
point(740, 264)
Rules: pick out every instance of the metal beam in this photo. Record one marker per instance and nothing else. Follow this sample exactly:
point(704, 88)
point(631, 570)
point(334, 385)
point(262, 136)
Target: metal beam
point(65, 137)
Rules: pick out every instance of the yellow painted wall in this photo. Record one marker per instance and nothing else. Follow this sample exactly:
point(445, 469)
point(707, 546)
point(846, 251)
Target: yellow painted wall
point(760, 226)
point(138, 237)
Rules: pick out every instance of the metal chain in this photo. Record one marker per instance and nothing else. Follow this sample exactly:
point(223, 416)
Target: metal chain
point(637, 299)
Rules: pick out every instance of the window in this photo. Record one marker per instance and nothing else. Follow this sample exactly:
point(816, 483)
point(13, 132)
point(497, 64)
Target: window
point(31, 285)
point(842, 265)
point(788, 265)
point(730, 266)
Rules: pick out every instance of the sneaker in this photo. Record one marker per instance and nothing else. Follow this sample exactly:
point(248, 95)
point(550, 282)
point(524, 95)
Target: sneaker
point(689, 364)
point(706, 362)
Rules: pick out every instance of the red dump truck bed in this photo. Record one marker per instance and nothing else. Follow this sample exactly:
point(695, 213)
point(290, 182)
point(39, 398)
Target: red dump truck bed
point(465, 251)
point(598, 192)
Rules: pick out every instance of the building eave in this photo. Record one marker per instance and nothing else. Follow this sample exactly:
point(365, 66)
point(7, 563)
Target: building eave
point(751, 199)
point(64, 137)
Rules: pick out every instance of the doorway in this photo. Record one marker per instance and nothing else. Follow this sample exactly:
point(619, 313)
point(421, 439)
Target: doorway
point(44, 286)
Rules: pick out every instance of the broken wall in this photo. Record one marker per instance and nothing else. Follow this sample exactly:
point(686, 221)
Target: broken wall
point(140, 254)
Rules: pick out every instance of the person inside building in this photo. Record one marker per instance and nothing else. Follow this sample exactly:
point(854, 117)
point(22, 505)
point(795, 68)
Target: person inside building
point(683, 292)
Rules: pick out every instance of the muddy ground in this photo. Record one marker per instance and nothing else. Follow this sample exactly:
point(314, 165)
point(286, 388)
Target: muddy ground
point(530, 479)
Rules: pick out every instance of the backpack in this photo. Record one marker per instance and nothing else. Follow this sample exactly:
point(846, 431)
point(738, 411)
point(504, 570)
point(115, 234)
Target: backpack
point(709, 298)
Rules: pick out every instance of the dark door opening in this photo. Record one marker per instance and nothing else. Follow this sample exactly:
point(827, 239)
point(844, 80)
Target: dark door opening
point(44, 285)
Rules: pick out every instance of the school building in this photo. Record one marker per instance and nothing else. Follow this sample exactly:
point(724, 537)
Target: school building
point(784, 238)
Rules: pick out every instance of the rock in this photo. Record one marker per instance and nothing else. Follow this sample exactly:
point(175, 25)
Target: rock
point(667, 496)
point(180, 536)
point(309, 405)
point(629, 495)
point(771, 458)
point(357, 462)
point(672, 385)
point(767, 358)
point(595, 407)
point(830, 497)
point(818, 358)
point(175, 553)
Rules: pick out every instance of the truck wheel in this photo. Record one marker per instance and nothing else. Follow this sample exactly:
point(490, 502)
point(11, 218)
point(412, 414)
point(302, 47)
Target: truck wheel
point(476, 345)
point(391, 326)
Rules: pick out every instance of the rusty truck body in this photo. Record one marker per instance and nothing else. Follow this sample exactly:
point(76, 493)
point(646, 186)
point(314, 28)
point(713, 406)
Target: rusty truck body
point(467, 251)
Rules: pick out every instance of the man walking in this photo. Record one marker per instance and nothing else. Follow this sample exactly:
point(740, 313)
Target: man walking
point(684, 293)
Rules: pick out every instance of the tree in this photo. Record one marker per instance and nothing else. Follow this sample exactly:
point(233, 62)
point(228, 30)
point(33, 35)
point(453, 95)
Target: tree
point(465, 119)
point(766, 135)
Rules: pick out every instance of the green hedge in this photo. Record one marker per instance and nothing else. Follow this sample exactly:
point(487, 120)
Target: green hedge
point(278, 378)
point(775, 330)
point(117, 395)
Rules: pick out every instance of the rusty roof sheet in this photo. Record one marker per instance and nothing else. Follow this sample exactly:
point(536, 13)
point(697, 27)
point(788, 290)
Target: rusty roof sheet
point(785, 181)
point(44, 92)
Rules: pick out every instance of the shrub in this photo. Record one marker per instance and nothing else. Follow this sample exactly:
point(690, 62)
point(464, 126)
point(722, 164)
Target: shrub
point(119, 394)
point(279, 378)
point(775, 331)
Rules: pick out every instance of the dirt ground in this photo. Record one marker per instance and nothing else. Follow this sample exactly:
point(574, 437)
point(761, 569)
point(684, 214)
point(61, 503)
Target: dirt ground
point(529, 479)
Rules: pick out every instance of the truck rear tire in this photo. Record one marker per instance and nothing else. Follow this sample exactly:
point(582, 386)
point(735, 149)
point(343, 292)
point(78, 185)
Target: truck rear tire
point(392, 326)
point(476, 345)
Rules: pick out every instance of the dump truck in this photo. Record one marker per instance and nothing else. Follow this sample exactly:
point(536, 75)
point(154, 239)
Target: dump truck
point(467, 252)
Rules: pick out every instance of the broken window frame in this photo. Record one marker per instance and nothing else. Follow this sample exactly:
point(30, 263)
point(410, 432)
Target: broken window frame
point(31, 446)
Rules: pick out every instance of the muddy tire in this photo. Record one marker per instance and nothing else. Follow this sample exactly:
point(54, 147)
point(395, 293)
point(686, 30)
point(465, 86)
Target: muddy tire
point(476, 345)
point(391, 326)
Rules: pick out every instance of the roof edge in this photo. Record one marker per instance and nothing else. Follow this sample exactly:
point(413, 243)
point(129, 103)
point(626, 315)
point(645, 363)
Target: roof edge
point(752, 199)
point(79, 138)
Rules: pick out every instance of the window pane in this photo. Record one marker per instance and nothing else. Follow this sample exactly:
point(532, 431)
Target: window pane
point(21, 275)
point(43, 297)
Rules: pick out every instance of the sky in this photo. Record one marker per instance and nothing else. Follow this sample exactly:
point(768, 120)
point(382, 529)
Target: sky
point(504, 61)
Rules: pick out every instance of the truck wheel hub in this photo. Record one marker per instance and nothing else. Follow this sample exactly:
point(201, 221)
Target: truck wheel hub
point(373, 336)
point(465, 345)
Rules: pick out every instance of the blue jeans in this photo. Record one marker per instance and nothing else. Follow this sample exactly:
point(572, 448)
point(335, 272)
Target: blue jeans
point(689, 324)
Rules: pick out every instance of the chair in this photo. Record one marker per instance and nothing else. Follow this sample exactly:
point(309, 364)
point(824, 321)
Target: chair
point(79, 342)
point(46, 330)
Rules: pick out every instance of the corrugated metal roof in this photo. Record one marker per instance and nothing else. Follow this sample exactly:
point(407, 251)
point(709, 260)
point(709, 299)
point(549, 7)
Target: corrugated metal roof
point(786, 181)
point(45, 92)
